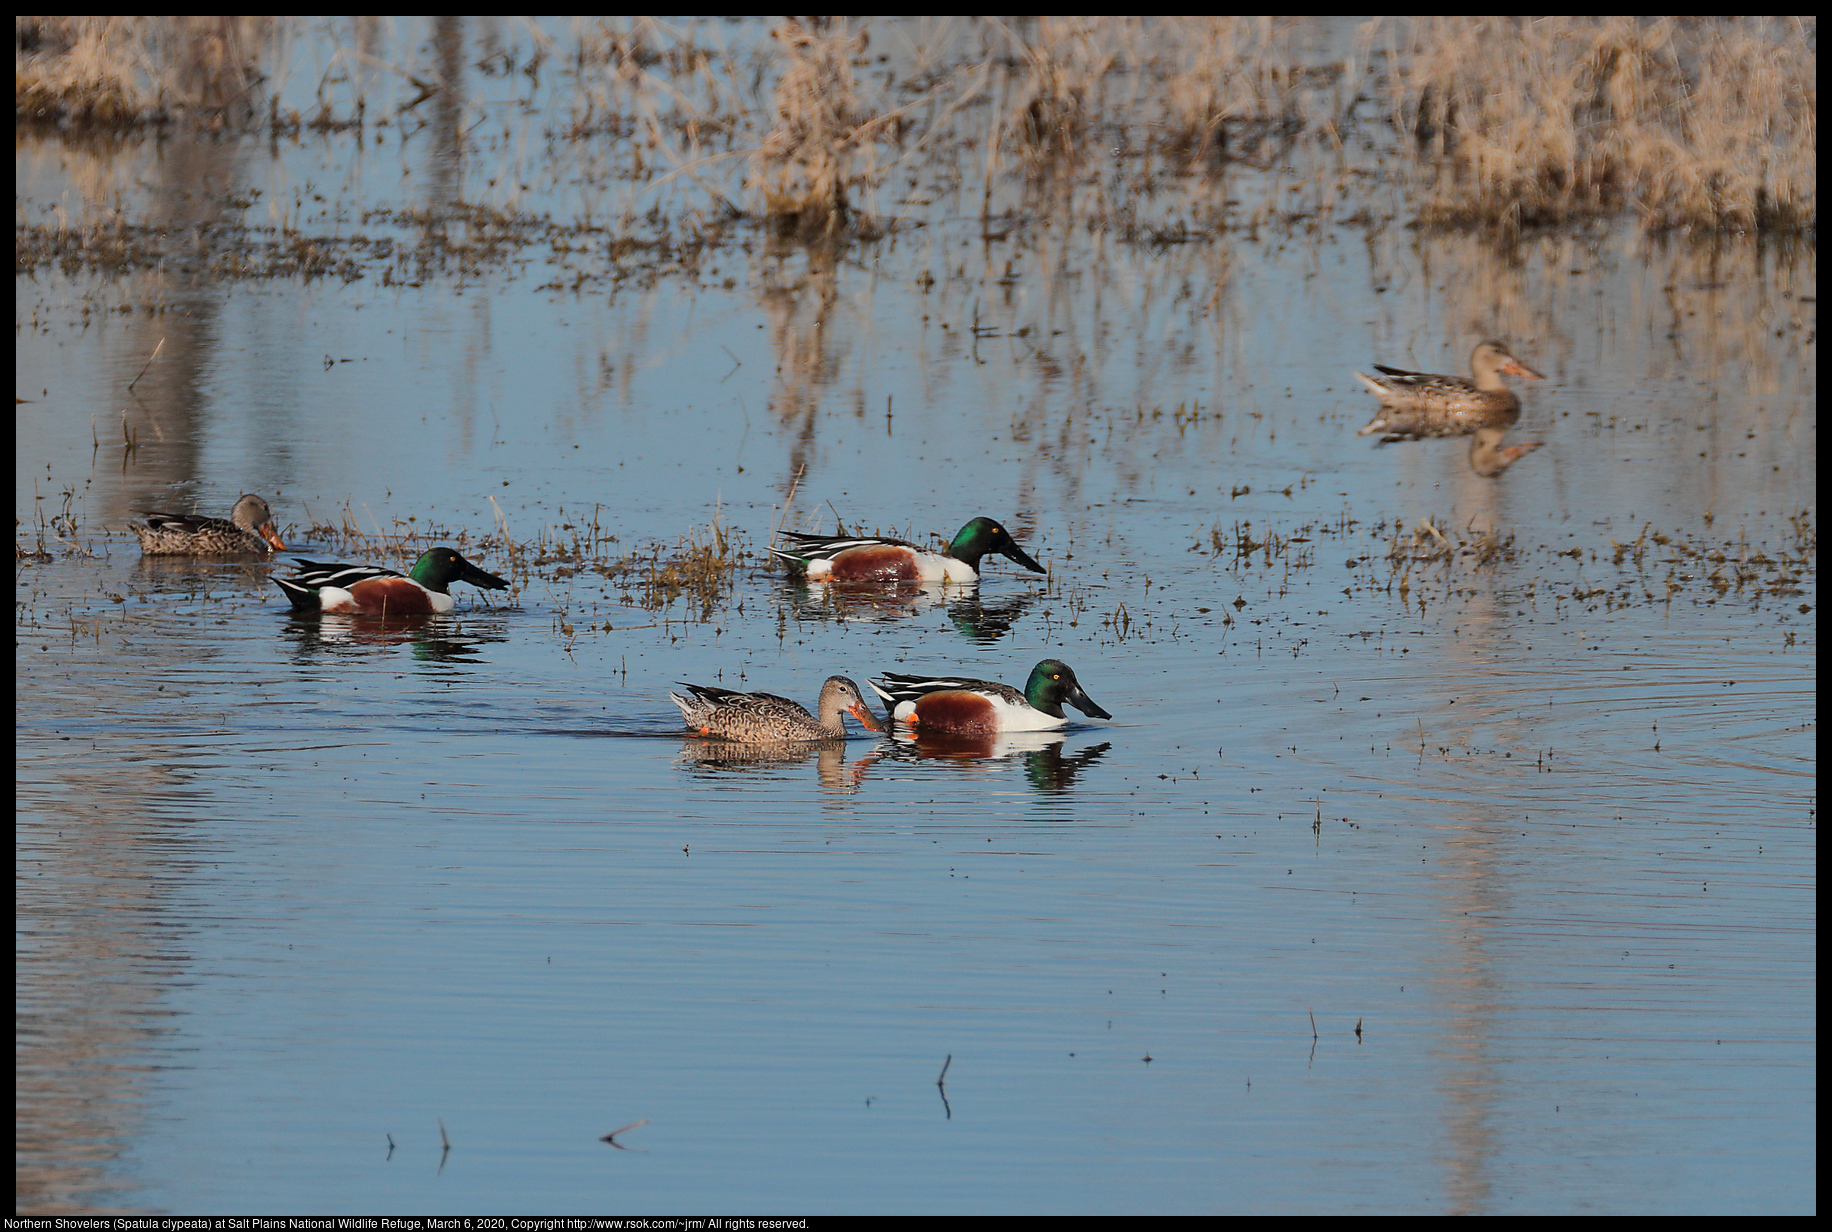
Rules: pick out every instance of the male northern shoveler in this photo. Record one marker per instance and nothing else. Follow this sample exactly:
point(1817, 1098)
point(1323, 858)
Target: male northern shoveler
point(248, 531)
point(757, 718)
point(371, 590)
point(841, 559)
point(1420, 404)
point(976, 707)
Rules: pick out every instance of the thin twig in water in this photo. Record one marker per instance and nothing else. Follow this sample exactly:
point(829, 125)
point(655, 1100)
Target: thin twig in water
point(149, 363)
point(376, 522)
point(787, 501)
point(612, 1136)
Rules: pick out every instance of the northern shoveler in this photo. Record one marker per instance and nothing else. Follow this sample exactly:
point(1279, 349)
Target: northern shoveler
point(248, 531)
point(1420, 404)
point(976, 707)
point(858, 559)
point(371, 590)
point(1486, 456)
point(757, 718)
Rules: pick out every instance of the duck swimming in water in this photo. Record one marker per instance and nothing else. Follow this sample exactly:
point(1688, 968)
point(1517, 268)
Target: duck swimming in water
point(370, 590)
point(955, 706)
point(837, 558)
point(765, 718)
point(248, 531)
point(1425, 404)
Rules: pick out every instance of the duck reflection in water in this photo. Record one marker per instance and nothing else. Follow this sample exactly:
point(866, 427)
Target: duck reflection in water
point(433, 639)
point(1488, 457)
point(1046, 766)
point(979, 621)
point(972, 616)
point(195, 577)
point(1420, 405)
point(707, 755)
point(870, 602)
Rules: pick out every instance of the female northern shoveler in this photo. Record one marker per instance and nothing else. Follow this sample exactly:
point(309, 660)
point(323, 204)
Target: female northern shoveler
point(839, 559)
point(249, 530)
point(975, 707)
point(371, 590)
point(756, 718)
point(1419, 404)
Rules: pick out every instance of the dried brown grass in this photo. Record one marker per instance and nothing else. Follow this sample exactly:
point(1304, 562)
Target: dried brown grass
point(1707, 124)
point(116, 73)
point(1497, 123)
point(1686, 122)
point(806, 167)
point(1229, 87)
point(809, 133)
point(1051, 110)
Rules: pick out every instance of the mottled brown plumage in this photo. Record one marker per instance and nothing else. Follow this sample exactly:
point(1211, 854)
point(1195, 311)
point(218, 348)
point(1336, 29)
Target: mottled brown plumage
point(755, 718)
point(249, 531)
point(1422, 404)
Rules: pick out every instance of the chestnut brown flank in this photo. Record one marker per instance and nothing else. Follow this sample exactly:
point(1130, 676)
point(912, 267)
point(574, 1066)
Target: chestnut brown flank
point(955, 711)
point(393, 596)
point(876, 564)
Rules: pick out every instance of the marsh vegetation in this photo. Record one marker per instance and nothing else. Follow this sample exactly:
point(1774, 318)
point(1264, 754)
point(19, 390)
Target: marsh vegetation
point(1162, 131)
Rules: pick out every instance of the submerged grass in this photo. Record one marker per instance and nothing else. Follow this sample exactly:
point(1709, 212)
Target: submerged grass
point(699, 569)
point(1427, 561)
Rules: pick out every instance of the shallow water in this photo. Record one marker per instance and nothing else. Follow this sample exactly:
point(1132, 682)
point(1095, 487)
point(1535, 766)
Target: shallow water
point(1541, 826)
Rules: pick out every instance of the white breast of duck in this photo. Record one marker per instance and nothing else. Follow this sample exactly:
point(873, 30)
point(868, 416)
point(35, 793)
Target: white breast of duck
point(1018, 716)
